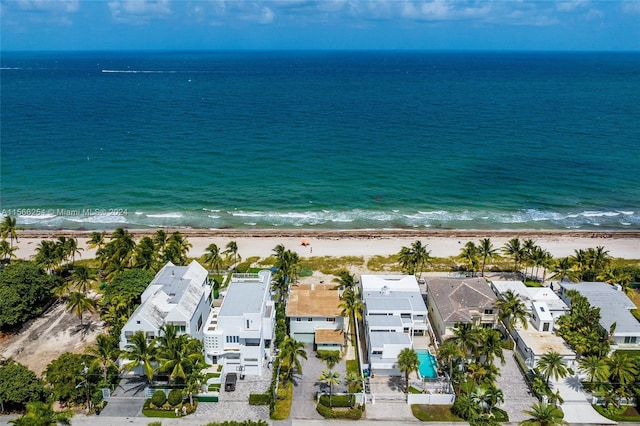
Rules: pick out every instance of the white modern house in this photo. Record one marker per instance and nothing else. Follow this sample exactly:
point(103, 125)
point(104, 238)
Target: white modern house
point(313, 312)
point(615, 307)
point(542, 303)
point(453, 300)
point(179, 296)
point(394, 312)
point(239, 330)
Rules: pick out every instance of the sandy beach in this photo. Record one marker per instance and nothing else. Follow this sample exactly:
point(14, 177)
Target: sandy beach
point(365, 243)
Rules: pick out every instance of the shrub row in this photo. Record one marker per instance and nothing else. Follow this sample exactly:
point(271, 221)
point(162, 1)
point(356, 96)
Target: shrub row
point(328, 413)
point(338, 401)
point(260, 398)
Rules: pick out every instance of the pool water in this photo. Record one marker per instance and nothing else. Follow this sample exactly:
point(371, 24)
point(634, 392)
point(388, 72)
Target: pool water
point(428, 365)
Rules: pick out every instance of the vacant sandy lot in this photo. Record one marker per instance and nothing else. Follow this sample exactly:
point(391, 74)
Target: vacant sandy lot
point(45, 338)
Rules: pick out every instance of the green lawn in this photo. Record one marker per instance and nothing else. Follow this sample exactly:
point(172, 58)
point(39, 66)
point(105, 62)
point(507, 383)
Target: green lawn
point(283, 403)
point(434, 413)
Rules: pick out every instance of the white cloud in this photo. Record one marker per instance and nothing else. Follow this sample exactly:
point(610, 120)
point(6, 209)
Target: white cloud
point(139, 11)
point(630, 7)
point(66, 6)
point(569, 6)
point(266, 16)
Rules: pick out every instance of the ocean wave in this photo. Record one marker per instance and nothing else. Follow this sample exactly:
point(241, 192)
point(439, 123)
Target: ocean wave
point(349, 219)
point(138, 72)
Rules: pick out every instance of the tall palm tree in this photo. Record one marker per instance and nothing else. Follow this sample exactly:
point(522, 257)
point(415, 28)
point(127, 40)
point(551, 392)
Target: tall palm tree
point(46, 255)
point(79, 303)
point(467, 337)
point(594, 367)
point(145, 255)
point(563, 268)
point(71, 249)
point(345, 281)
point(542, 414)
point(96, 240)
point(176, 249)
point(491, 345)
point(486, 251)
point(351, 307)
point(621, 368)
point(512, 309)
point(104, 354)
point(288, 265)
point(7, 251)
point(552, 364)
point(406, 260)
point(138, 351)
point(469, 254)
point(408, 362)
point(181, 357)
point(42, 414)
point(448, 352)
point(213, 258)
point(194, 382)
point(332, 378)
point(528, 247)
point(82, 277)
point(421, 257)
point(513, 248)
point(9, 228)
point(232, 250)
point(290, 353)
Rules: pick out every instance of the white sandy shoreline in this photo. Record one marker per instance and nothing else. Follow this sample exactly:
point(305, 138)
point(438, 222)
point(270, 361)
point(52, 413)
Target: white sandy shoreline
point(365, 243)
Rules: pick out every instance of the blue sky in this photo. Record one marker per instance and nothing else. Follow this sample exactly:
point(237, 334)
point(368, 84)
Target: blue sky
point(327, 24)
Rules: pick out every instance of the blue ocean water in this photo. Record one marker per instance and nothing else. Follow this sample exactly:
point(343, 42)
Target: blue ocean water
point(349, 140)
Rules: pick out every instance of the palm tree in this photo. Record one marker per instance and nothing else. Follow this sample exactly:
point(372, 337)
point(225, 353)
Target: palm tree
point(345, 281)
point(542, 414)
point(96, 240)
point(513, 249)
point(467, 337)
point(160, 241)
point(194, 383)
point(448, 352)
point(420, 255)
point(331, 378)
point(232, 249)
point(176, 249)
point(212, 257)
point(47, 255)
point(9, 228)
point(594, 367)
point(290, 353)
point(552, 364)
point(103, 354)
point(351, 307)
point(563, 268)
point(408, 362)
point(71, 249)
point(469, 254)
point(7, 251)
point(79, 303)
point(42, 414)
point(145, 254)
point(528, 247)
point(512, 309)
point(406, 260)
point(621, 368)
point(491, 345)
point(353, 381)
point(81, 276)
point(138, 351)
point(180, 357)
point(486, 251)
point(288, 265)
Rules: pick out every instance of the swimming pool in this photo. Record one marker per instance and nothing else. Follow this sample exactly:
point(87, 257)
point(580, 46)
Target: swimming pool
point(428, 365)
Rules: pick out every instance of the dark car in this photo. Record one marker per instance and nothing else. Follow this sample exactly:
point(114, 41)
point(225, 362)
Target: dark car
point(230, 382)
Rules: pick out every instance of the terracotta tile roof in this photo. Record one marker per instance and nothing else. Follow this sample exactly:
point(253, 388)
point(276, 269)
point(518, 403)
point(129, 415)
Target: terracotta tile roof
point(321, 301)
point(329, 336)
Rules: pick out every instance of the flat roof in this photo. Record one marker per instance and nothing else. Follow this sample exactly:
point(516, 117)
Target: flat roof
point(393, 282)
point(394, 301)
point(318, 300)
point(541, 343)
point(614, 305)
point(531, 294)
point(329, 336)
point(380, 338)
point(384, 321)
point(245, 295)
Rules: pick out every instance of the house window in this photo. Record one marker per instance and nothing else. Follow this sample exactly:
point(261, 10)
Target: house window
point(376, 353)
point(545, 326)
point(331, 320)
point(233, 339)
point(488, 311)
point(630, 339)
point(309, 319)
point(200, 322)
point(298, 319)
point(248, 324)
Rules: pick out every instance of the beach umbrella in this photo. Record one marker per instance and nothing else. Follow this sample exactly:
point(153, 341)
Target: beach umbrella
point(305, 242)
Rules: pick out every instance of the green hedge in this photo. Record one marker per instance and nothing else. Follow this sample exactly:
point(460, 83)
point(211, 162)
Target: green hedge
point(175, 397)
point(259, 398)
point(500, 415)
point(338, 400)
point(158, 398)
point(328, 413)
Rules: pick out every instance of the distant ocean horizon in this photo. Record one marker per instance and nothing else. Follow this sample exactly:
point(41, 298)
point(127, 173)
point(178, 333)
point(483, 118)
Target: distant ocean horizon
point(321, 140)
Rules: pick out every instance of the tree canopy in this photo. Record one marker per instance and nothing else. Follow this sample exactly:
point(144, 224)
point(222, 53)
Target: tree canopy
point(19, 386)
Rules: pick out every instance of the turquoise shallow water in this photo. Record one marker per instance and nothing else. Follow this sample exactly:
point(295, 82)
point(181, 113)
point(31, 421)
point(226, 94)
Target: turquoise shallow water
point(321, 140)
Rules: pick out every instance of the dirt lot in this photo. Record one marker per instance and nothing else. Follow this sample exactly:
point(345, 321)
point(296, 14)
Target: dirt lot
point(43, 339)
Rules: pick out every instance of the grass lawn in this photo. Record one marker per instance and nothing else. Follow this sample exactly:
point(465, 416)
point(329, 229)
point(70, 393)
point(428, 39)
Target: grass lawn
point(147, 412)
point(434, 413)
point(283, 403)
point(631, 353)
point(631, 414)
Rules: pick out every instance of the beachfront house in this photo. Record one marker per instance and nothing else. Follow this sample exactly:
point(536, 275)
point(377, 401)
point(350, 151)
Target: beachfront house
point(179, 296)
point(313, 313)
point(542, 303)
point(239, 330)
point(615, 307)
point(453, 300)
point(394, 312)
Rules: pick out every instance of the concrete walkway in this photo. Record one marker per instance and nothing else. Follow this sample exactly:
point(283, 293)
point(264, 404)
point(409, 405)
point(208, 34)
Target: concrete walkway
point(576, 407)
point(517, 396)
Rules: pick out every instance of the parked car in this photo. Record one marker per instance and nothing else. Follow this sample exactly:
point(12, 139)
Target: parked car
point(230, 382)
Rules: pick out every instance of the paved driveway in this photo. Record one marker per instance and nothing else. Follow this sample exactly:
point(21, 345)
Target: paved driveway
point(127, 399)
point(517, 397)
point(306, 385)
